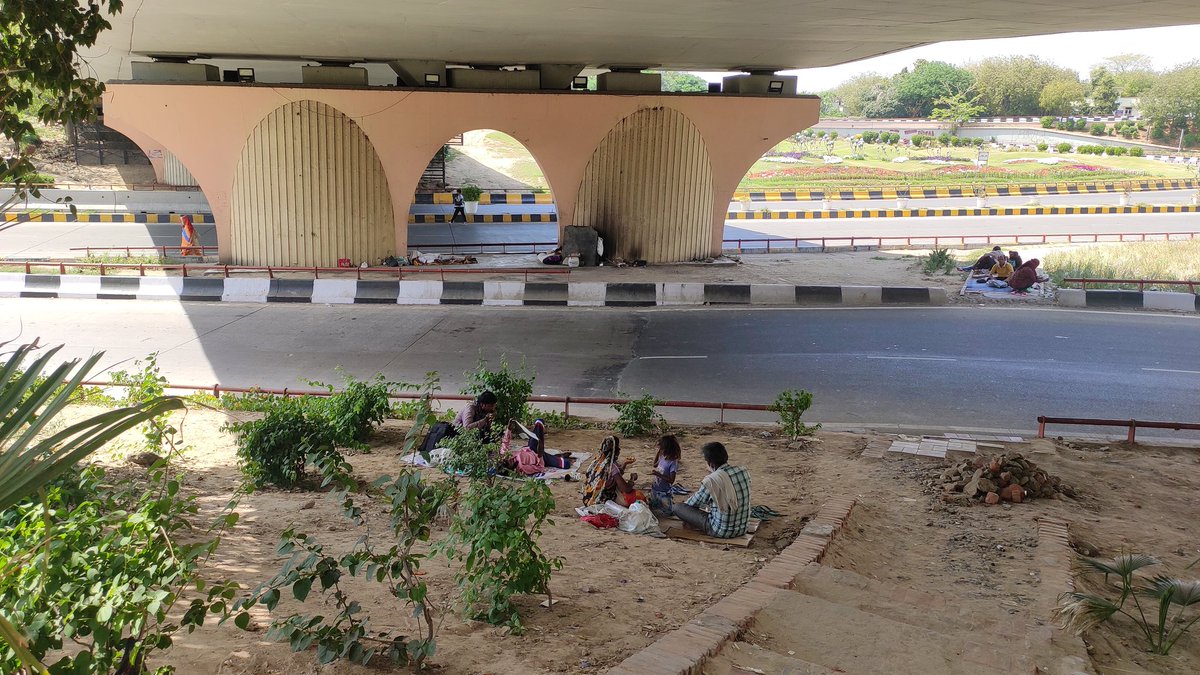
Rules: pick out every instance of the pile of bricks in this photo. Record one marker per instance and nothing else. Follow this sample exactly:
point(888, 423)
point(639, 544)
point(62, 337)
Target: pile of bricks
point(1010, 478)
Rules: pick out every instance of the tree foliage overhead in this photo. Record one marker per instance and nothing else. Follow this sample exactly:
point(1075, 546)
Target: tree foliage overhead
point(1062, 97)
point(1174, 100)
point(1104, 92)
point(677, 81)
point(918, 90)
point(39, 43)
point(1134, 73)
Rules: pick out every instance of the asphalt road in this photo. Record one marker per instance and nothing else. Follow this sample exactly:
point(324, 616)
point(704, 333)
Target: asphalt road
point(929, 368)
point(56, 239)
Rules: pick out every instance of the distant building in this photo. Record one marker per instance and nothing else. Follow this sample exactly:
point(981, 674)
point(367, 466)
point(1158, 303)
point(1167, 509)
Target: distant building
point(1129, 106)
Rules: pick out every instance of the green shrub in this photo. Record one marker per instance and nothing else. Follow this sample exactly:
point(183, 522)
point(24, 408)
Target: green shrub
point(1098, 129)
point(1042, 147)
point(101, 572)
point(938, 260)
point(1121, 150)
point(1163, 594)
point(977, 142)
point(276, 449)
point(944, 138)
point(495, 539)
point(1048, 122)
point(1080, 124)
point(918, 140)
point(145, 384)
point(471, 192)
point(1191, 140)
point(1158, 130)
point(637, 417)
point(833, 135)
point(820, 133)
point(470, 456)
point(1110, 150)
point(870, 136)
point(790, 405)
point(1063, 148)
point(512, 388)
point(353, 413)
point(1137, 152)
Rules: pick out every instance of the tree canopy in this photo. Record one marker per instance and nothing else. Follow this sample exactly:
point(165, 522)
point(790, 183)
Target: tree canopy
point(1104, 92)
point(916, 91)
point(1012, 85)
point(39, 43)
point(1174, 99)
point(673, 80)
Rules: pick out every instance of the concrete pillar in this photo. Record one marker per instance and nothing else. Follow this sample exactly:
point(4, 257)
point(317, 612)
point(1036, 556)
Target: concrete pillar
point(208, 127)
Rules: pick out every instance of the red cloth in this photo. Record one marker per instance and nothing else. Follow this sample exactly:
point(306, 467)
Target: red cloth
point(1025, 276)
point(601, 521)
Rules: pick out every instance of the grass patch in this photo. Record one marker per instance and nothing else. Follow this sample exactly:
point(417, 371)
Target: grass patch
point(1166, 260)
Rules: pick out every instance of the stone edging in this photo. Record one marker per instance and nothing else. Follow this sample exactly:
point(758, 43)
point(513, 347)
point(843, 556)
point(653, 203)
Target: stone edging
point(1103, 299)
point(1055, 555)
point(492, 293)
point(685, 650)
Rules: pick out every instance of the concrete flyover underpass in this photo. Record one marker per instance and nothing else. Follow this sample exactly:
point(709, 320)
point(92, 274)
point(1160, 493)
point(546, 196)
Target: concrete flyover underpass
point(996, 368)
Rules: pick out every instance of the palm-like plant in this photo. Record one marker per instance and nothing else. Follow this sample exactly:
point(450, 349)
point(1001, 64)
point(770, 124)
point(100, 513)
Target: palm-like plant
point(32, 454)
point(1083, 611)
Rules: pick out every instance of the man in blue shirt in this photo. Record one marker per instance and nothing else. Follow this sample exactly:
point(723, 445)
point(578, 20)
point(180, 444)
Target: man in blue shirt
point(724, 493)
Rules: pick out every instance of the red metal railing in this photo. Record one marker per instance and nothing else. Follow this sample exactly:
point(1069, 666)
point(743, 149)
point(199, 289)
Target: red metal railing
point(117, 187)
point(959, 240)
point(129, 249)
point(1133, 425)
point(565, 401)
point(1141, 283)
point(184, 269)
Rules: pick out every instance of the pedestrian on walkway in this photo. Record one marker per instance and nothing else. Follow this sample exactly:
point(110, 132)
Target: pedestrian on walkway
point(459, 207)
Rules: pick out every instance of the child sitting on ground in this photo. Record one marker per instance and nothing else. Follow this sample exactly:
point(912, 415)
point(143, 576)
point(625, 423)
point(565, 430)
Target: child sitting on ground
point(532, 459)
point(666, 464)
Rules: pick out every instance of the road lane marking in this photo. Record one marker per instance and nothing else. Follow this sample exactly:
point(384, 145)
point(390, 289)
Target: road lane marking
point(913, 358)
point(647, 358)
point(1169, 370)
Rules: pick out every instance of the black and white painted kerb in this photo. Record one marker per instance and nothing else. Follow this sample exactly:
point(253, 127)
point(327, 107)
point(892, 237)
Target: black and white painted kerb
point(492, 293)
point(1102, 299)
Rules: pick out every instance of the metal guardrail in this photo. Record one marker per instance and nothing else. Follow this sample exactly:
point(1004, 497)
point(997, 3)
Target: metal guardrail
point(1133, 425)
point(119, 187)
point(129, 249)
point(961, 241)
point(184, 269)
point(1141, 283)
point(566, 401)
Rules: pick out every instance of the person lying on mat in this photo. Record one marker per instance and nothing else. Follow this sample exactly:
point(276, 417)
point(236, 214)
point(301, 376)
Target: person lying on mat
point(986, 260)
point(532, 459)
point(725, 493)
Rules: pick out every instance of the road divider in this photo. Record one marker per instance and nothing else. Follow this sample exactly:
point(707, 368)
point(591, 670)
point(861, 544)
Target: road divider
point(1111, 299)
point(816, 214)
point(506, 293)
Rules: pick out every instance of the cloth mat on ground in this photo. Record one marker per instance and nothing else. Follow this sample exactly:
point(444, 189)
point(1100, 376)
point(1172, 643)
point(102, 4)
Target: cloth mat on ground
point(980, 287)
point(674, 529)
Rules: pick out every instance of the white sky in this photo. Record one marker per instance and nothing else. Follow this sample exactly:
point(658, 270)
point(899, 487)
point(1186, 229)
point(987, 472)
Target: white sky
point(1167, 47)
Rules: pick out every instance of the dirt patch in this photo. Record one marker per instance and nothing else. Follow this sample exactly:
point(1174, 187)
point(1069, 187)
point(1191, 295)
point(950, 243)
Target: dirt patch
point(620, 592)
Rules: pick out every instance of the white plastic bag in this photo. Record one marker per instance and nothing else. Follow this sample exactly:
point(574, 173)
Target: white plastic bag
point(637, 519)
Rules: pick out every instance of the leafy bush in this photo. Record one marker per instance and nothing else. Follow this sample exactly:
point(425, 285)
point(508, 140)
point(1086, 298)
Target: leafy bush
point(1137, 152)
point(918, 140)
point(1048, 122)
point(1191, 140)
point(1084, 611)
point(496, 542)
point(1042, 147)
point(353, 413)
point(820, 133)
point(471, 192)
point(790, 405)
point(1080, 124)
point(938, 260)
point(412, 506)
point(944, 138)
point(637, 416)
point(141, 386)
point(870, 136)
point(276, 449)
point(833, 135)
point(1098, 129)
point(1110, 150)
point(511, 387)
point(977, 142)
point(102, 597)
point(470, 455)
point(1063, 147)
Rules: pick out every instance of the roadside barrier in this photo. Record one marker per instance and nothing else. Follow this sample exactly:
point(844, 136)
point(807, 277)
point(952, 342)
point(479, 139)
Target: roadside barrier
point(162, 250)
point(954, 191)
point(216, 390)
point(202, 270)
point(836, 214)
point(1141, 283)
point(778, 244)
point(1133, 425)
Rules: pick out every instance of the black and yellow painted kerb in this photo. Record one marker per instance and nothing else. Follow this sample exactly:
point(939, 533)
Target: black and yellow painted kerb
point(511, 198)
point(947, 192)
point(942, 213)
point(66, 217)
point(426, 218)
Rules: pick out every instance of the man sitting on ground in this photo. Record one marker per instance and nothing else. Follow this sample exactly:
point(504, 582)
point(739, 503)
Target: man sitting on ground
point(726, 494)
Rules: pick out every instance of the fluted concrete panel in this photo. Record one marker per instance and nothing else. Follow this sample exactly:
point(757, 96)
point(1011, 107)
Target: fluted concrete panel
point(309, 189)
point(174, 172)
point(648, 189)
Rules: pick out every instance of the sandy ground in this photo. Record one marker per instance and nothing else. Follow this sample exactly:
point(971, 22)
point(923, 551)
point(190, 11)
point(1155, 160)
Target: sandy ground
point(55, 157)
point(620, 592)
